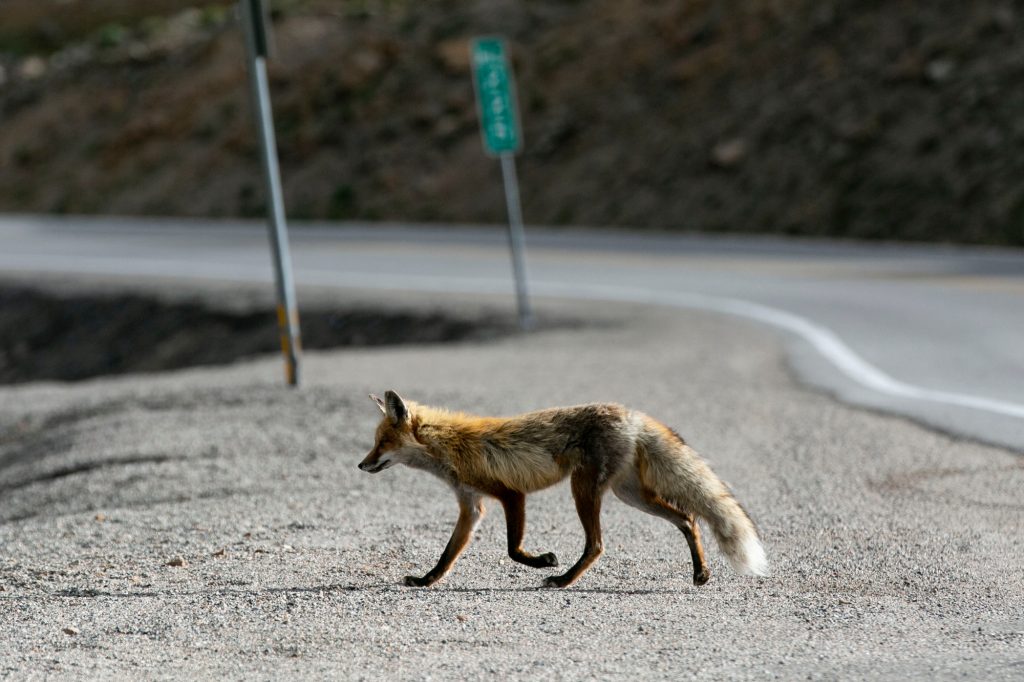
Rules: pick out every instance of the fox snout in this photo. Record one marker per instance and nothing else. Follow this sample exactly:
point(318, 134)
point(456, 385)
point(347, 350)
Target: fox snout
point(374, 463)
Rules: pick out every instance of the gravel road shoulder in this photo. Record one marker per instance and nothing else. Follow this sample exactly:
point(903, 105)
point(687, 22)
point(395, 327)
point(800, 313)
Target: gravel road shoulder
point(209, 522)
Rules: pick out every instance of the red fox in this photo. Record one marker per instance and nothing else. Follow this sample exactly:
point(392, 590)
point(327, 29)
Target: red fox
point(599, 446)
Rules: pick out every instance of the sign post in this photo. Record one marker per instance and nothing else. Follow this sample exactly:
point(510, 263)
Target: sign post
point(502, 137)
point(254, 22)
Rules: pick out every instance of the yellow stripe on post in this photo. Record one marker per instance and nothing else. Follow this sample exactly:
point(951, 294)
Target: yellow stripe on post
point(288, 350)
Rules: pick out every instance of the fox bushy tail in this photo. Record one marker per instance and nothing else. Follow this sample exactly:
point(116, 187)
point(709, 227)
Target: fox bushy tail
point(682, 478)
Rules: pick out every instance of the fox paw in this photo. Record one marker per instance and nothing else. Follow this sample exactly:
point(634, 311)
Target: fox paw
point(701, 577)
point(546, 560)
point(413, 581)
point(555, 581)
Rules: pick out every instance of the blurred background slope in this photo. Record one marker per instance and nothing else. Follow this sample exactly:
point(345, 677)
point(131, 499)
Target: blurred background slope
point(868, 119)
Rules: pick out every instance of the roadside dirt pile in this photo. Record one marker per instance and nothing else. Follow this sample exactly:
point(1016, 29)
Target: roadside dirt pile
point(68, 337)
point(856, 119)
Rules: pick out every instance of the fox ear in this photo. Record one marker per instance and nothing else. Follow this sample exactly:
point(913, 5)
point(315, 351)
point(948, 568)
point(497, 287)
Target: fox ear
point(395, 408)
point(380, 403)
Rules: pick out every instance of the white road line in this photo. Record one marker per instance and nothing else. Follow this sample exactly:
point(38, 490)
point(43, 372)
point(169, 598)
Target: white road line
point(822, 339)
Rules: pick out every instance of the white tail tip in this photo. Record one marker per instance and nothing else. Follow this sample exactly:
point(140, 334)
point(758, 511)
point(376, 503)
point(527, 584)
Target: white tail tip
point(750, 559)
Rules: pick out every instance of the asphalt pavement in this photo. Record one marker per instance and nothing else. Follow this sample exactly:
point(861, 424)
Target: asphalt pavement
point(930, 332)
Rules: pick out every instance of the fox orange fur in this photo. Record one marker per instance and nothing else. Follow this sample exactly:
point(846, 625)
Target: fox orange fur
point(598, 446)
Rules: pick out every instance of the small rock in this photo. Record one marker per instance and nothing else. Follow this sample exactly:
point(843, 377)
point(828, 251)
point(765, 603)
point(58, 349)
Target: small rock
point(100, 518)
point(939, 70)
point(447, 126)
point(178, 562)
point(220, 552)
point(454, 55)
point(32, 68)
point(71, 630)
point(729, 153)
point(462, 618)
point(362, 66)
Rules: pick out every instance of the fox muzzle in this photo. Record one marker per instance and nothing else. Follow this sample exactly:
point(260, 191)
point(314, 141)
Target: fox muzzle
point(375, 465)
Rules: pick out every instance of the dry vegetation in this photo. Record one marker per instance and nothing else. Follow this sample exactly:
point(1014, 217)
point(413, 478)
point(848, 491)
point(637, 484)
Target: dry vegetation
point(48, 25)
point(863, 119)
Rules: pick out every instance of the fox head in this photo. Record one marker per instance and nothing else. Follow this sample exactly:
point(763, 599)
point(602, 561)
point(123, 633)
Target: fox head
point(394, 442)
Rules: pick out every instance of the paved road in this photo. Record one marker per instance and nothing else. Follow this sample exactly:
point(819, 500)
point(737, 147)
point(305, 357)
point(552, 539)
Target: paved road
point(935, 333)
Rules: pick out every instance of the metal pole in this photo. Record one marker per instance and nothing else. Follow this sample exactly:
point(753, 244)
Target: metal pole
point(515, 237)
point(287, 311)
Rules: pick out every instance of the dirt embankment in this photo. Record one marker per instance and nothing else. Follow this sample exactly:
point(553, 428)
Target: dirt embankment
point(69, 337)
point(857, 119)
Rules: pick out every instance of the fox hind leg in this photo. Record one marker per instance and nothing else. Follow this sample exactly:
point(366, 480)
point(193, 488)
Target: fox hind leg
point(587, 491)
point(635, 494)
point(514, 504)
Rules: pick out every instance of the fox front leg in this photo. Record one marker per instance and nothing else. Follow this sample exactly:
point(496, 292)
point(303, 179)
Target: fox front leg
point(471, 510)
point(514, 504)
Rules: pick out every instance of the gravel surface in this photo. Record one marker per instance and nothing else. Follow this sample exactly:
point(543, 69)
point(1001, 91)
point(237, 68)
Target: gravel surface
point(212, 523)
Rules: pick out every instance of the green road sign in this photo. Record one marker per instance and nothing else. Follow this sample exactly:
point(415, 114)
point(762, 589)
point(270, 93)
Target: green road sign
point(495, 96)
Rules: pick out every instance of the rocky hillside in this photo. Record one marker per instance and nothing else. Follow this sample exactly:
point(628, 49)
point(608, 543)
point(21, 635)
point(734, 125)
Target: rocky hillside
point(865, 118)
